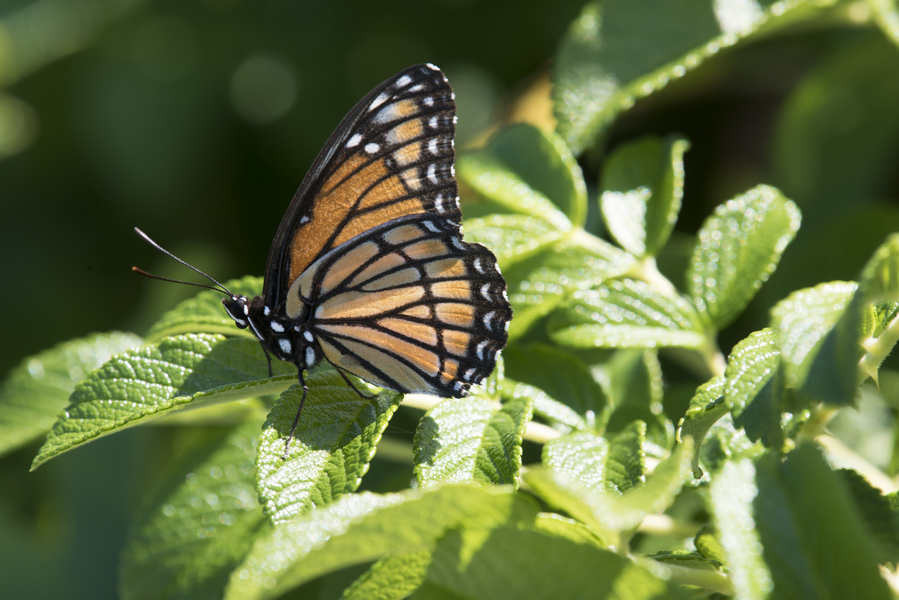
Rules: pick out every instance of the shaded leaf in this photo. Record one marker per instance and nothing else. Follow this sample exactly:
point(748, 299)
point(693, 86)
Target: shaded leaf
point(391, 578)
point(182, 372)
point(558, 373)
point(736, 251)
point(334, 442)
point(36, 390)
point(813, 548)
point(192, 537)
point(874, 507)
point(471, 439)
point(363, 527)
point(635, 387)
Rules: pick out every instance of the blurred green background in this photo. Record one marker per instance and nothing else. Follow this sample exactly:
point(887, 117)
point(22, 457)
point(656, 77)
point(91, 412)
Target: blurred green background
point(197, 119)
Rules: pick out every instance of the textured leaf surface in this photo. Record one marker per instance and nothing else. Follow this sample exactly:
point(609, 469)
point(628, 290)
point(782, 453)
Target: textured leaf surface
point(201, 526)
point(816, 355)
point(471, 440)
point(706, 407)
point(512, 237)
point(205, 313)
point(530, 172)
point(186, 371)
point(363, 527)
point(611, 467)
point(753, 387)
point(332, 447)
point(732, 493)
point(541, 282)
point(642, 187)
point(626, 314)
point(541, 365)
point(736, 251)
point(815, 543)
point(882, 522)
point(618, 50)
point(607, 513)
point(502, 563)
point(37, 389)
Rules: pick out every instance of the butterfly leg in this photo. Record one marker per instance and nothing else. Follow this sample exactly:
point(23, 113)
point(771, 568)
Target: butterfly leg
point(296, 419)
point(268, 357)
point(350, 383)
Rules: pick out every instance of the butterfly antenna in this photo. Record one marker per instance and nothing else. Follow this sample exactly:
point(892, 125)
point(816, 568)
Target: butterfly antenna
point(140, 271)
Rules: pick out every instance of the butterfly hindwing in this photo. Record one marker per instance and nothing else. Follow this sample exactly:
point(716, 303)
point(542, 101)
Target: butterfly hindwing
point(409, 306)
point(392, 156)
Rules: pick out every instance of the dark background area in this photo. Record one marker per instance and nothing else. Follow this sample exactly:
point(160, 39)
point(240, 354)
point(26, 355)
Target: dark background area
point(197, 119)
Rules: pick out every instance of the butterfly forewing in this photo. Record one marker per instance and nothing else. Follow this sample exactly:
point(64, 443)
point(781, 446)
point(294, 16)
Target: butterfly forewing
point(392, 156)
point(409, 306)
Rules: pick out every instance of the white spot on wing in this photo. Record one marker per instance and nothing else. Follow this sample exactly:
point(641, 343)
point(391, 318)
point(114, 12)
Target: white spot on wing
point(266, 311)
point(305, 219)
point(372, 148)
point(458, 386)
point(428, 101)
point(468, 374)
point(430, 225)
point(381, 99)
point(310, 357)
point(432, 67)
point(432, 123)
point(477, 266)
point(285, 346)
point(458, 244)
point(488, 320)
point(403, 81)
point(277, 327)
point(416, 88)
point(432, 173)
point(354, 141)
point(308, 336)
point(432, 146)
point(480, 349)
point(485, 292)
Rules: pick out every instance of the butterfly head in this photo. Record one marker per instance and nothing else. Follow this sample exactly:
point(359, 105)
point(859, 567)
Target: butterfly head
point(238, 308)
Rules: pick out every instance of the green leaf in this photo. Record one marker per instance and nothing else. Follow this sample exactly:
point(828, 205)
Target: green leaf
point(753, 388)
point(546, 407)
point(541, 282)
point(512, 237)
point(391, 578)
point(608, 514)
point(205, 313)
point(882, 523)
point(731, 495)
point(708, 544)
point(694, 569)
point(879, 284)
point(706, 407)
point(37, 389)
point(201, 526)
point(836, 135)
point(530, 172)
point(334, 442)
point(817, 356)
point(736, 251)
point(626, 314)
point(471, 440)
point(641, 191)
point(616, 51)
point(815, 543)
point(363, 527)
point(635, 387)
point(610, 467)
point(146, 383)
point(558, 373)
point(512, 563)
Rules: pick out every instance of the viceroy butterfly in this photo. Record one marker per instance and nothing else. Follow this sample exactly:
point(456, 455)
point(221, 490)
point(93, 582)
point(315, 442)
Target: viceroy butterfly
point(368, 269)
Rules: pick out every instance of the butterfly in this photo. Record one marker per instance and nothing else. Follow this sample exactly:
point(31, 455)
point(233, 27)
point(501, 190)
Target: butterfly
point(368, 269)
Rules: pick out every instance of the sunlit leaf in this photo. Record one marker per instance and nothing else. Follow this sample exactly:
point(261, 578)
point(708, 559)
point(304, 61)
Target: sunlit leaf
point(706, 407)
point(752, 388)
